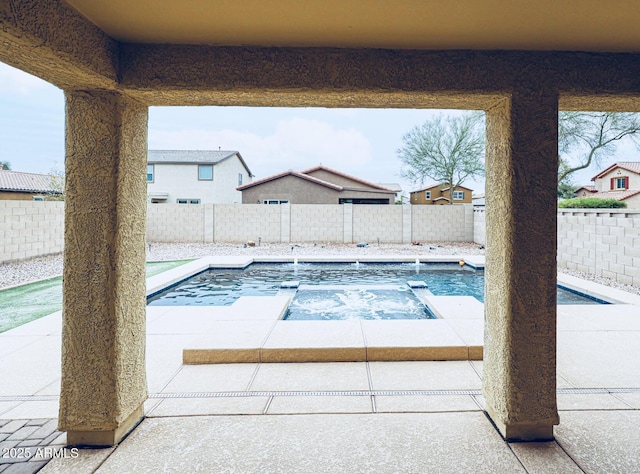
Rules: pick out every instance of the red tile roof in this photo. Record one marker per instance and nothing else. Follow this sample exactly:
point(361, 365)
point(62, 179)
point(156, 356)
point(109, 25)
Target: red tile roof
point(290, 173)
point(633, 166)
point(617, 195)
point(587, 187)
point(345, 175)
point(377, 188)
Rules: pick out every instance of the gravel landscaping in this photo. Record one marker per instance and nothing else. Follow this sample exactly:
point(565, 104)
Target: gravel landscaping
point(46, 267)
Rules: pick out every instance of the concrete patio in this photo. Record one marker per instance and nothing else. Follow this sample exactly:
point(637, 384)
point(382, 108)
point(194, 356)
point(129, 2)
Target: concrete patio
point(368, 416)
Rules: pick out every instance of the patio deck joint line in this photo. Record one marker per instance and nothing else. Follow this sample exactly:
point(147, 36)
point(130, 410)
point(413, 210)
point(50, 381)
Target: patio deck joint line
point(29, 398)
point(348, 393)
point(333, 393)
point(586, 390)
point(352, 393)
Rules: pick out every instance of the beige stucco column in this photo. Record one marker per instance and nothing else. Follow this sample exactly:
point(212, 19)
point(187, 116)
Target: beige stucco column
point(519, 381)
point(103, 333)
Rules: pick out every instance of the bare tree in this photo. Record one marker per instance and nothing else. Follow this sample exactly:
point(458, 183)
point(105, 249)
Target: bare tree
point(586, 138)
point(446, 149)
point(57, 178)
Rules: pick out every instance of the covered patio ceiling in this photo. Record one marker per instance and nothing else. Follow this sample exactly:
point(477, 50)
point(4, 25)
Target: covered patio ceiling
point(331, 53)
point(550, 25)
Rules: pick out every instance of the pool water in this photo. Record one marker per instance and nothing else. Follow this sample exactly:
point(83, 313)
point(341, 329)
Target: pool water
point(356, 303)
point(221, 287)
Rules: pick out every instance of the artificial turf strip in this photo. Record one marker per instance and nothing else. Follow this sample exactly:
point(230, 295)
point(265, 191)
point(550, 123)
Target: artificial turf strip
point(154, 268)
point(24, 303)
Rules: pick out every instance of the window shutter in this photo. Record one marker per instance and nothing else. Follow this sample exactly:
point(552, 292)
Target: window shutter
point(626, 182)
point(613, 183)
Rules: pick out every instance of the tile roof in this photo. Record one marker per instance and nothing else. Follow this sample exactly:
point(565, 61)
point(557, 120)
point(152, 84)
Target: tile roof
point(290, 173)
point(18, 181)
point(617, 195)
point(348, 176)
point(588, 187)
point(392, 186)
point(633, 166)
point(431, 186)
point(377, 188)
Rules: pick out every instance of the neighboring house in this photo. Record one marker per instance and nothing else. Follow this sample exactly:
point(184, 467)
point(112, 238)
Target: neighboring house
point(16, 185)
point(397, 191)
point(441, 194)
point(620, 181)
point(585, 191)
point(318, 185)
point(195, 176)
point(478, 199)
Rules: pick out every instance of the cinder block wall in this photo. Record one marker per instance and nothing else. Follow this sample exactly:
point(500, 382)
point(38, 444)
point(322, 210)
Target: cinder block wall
point(479, 225)
point(317, 223)
point(243, 222)
point(373, 222)
point(30, 229)
point(442, 223)
point(176, 222)
point(308, 223)
point(602, 242)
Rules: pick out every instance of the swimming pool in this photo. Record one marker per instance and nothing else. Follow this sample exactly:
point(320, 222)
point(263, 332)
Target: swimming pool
point(221, 287)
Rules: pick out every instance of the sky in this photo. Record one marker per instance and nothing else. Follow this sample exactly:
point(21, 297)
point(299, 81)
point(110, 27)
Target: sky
point(361, 142)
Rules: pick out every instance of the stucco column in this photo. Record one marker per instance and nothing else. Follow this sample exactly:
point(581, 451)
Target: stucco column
point(519, 381)
point(103, 332)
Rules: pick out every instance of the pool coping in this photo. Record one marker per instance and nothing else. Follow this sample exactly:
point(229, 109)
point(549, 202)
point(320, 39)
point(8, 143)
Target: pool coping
point(233, 335)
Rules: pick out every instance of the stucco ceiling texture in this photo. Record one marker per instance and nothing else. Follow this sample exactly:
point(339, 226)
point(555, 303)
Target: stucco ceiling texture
point(566, 25)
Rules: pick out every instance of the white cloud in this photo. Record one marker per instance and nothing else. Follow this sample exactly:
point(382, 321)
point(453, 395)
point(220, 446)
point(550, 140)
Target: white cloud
point(15, 81)
point(295, 144)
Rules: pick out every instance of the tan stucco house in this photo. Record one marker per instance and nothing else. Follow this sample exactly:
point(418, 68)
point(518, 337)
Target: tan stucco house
point(437, 194)
point(620, 181)
point(317, 185)
point(16, 185)
point(195, 176)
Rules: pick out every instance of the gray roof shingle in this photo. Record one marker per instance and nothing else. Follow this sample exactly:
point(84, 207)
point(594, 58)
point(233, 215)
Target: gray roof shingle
point(193, 156)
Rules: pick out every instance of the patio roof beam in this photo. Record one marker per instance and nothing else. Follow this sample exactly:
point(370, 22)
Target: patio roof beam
point(49, 39)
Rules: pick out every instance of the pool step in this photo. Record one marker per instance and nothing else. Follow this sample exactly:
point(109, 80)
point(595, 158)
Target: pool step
point(339, 341)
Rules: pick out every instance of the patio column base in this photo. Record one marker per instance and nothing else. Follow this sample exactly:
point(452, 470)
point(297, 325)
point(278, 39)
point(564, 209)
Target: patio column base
point(103, 439)
point(523, 431)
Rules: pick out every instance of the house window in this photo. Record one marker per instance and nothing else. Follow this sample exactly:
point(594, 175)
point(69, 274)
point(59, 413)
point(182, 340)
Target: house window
point(150, 171)
point(427, 195)
point(38, 198)
point(275, 201)
point(239, 179)
point(188, 201)
point(458, 195)
point(620, 183)
point(205, 172)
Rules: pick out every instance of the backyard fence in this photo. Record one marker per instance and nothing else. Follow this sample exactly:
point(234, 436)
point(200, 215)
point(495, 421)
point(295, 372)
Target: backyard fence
point(343, 223)
point(30, 229)
point(598, 241)
point(605, 242)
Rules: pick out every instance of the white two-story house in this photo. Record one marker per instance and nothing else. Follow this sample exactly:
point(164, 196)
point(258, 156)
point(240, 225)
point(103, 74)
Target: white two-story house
point(196, 176)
